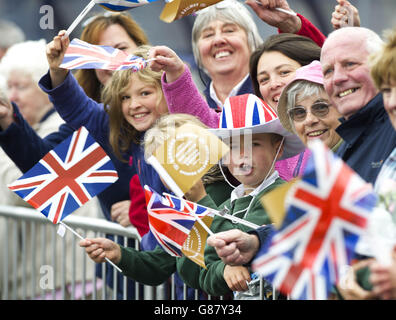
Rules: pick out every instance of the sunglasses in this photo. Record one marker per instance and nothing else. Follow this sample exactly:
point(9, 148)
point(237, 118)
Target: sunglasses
point(298, 114)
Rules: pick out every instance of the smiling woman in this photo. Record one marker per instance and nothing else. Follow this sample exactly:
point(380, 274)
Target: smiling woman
point(304, 107)
point(117, 30)
point(223, 37)
point(274, 63)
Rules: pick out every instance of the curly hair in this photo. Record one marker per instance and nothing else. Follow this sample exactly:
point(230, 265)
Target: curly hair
point(122, 134)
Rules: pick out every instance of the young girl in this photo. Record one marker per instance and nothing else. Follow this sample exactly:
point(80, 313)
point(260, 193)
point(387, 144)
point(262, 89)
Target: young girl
point(132, 102)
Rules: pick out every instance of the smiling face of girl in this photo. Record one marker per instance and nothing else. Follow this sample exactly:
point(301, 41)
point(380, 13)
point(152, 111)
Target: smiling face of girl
point(142, 104)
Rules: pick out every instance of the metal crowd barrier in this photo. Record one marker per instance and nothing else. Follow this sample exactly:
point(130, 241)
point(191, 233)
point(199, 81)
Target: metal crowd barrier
point(33, 260)
point(37, 263)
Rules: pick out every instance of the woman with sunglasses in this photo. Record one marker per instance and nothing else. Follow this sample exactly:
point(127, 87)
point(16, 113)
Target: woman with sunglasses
point(224, 36)
point(304, 107)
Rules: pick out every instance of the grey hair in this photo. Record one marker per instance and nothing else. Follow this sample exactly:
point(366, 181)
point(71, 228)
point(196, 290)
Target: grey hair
point(10, 34)
point(373, 41)
point(3, 96)
point(28, 57)
point(300, 90)
point(227, 10)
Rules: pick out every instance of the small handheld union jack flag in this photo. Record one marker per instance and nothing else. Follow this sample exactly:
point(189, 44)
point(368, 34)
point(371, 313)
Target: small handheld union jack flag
point(327, 211)
point(67, 177)
point(83, 55)
point(122, 5)
point(170, 220)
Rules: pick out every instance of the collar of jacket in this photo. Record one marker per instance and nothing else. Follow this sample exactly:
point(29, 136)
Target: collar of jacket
point(350, 130)
point(247, 87)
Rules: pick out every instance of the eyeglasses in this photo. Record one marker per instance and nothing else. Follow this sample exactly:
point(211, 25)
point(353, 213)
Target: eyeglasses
point(298, 114)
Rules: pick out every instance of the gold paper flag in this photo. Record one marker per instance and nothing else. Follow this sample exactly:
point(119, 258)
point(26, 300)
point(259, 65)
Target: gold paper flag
point(275, 202)
point(186, 156)
point(180, 8)
point(194, 246)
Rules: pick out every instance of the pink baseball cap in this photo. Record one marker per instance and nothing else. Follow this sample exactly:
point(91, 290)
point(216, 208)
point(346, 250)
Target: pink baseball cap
point(312, 73)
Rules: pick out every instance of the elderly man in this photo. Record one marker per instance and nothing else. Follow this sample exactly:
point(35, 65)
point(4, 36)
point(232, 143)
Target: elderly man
point(368, 135)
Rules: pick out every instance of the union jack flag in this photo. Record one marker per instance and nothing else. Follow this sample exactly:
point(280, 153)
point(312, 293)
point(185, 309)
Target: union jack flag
point(328, 211)
point(67, 177)
point(83, 55)
point(170, 220)
point(121, 5)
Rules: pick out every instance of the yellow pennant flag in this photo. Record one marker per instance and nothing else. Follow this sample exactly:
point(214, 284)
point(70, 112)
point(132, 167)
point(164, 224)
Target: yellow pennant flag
point(275, 202)
point(186, 156)
point(180, 8)
point(194, 246)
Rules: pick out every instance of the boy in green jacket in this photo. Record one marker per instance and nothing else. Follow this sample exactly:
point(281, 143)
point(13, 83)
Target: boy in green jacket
point(155, 267)
point(257, 140)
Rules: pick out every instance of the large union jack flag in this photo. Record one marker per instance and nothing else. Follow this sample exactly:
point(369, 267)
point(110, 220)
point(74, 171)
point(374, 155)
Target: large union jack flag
point(83, 55)
point(122, 5)
point(327, 212)
point(67, 177)
point(170, 219)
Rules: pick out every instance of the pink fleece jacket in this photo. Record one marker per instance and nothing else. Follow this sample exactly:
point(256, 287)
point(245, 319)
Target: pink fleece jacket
point(183, 96)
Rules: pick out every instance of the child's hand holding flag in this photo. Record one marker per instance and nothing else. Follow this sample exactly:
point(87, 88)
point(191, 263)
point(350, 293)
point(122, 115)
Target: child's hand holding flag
point(67, 177)
point(186, 156)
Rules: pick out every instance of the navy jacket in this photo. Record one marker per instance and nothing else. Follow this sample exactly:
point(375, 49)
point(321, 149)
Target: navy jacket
point(247, 87)
point(369, 138)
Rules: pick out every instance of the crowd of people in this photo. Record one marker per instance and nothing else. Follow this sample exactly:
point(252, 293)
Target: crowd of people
point(340, 89)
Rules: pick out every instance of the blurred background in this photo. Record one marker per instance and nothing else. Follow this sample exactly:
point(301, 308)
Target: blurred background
point(376, 15)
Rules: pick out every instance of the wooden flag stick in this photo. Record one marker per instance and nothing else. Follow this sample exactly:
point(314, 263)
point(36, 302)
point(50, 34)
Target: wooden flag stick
point(79, 236)
point(203, 225)
point(76, 21)
point(222, 213)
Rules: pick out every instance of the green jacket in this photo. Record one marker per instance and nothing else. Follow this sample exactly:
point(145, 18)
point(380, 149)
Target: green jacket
point(211, 280)
point(155, 267)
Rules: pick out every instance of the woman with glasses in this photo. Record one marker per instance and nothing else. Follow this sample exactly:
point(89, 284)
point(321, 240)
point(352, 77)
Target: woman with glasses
point(224, 36)
point(304, 107)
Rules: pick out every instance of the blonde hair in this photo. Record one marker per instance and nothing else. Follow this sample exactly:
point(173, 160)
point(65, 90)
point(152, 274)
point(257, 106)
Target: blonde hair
point(122, 134)
point(164, 128)
point(383, 62)
point(91, 33)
